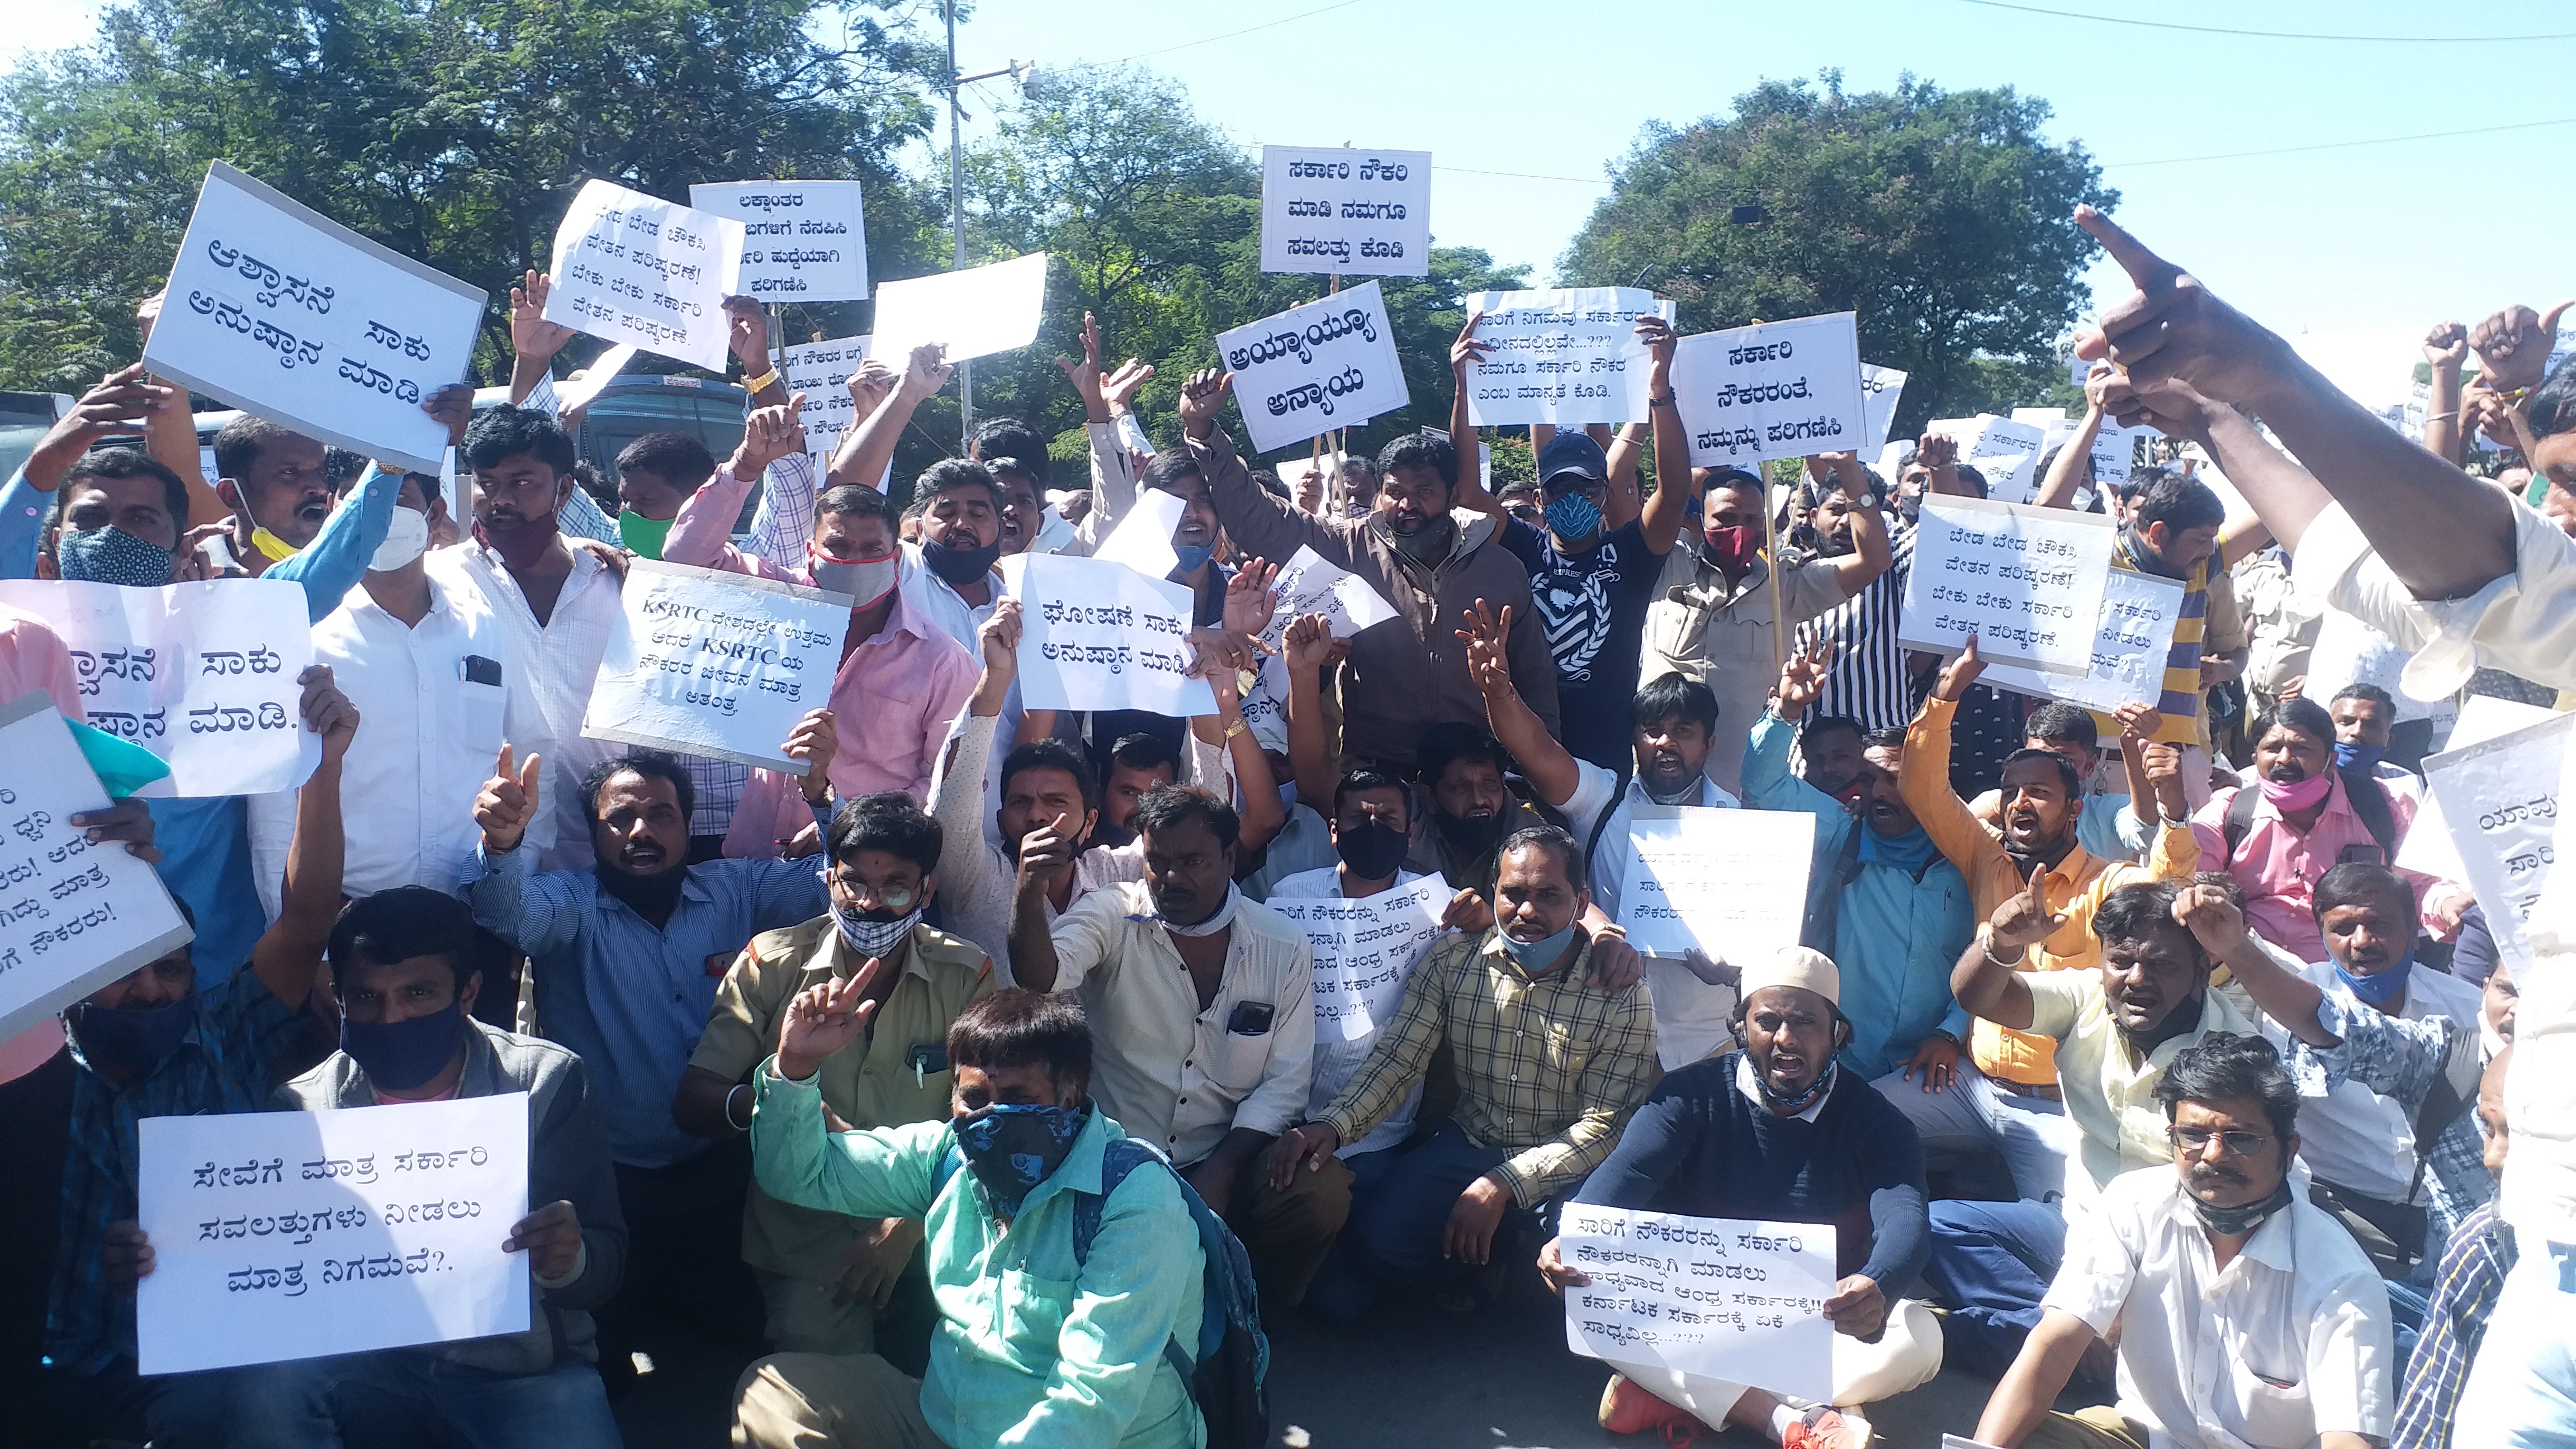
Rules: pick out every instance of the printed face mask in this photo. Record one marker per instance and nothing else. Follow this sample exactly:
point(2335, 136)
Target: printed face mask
point(1011, 1149)
point(111, 555)
point(1573, 517)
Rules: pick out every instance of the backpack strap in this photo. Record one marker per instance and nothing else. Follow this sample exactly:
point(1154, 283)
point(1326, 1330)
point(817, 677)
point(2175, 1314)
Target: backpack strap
point(2240, 818)
point(1120, 1157)
point(949, 1162)
point(2370, 801)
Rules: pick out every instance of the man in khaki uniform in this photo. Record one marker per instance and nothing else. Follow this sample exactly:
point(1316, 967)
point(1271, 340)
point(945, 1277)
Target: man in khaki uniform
point(827, 1279)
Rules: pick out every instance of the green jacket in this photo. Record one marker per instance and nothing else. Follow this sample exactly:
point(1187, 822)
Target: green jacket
point(1032, 1350)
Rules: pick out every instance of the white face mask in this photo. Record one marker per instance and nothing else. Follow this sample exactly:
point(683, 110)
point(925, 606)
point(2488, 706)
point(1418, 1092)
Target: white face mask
point(405, 539)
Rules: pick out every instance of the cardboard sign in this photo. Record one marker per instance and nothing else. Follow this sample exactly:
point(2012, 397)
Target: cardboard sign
point(2130, 647)
point(635, 268)
point(1569, 356)
point(1732, 883)
point(1720, 1298)
point(1356, 213)
point(1306, 371)
point(73, 916)
point(280, 1235)
point(1099, 635)
point(716, 665)
point(2027, 582)
point(286, 314)
point(1773, 390)
point(973, 313)
point(802, 241)
point(1365, 951)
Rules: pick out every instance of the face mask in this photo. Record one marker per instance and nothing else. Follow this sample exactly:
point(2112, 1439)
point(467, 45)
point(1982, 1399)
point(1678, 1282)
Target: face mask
point(873, 933)
point(2300, 796)
point(520, 547)
point(644, 535)
point(1011, 1149)
point(1815, 1092)
point(2385, 989)
point(865, 580)
point(1193, 557)
point(1733, 549)
point(1573, 517)
point(406, 538)
point(1909, 506)
point(401, 1055)
point(2364, 758)
point(271, 547)
point(1532, 956)
point(2138, 553)
point(2236, 1222)
point(1472, 835)
point(1683, 794)
point(959, 565)
point(1430, 543)
point(136, 1038)
point(111, 555)
point(1373, 849)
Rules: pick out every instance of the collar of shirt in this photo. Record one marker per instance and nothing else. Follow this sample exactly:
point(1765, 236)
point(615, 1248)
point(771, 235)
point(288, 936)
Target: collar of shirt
point(1708, 587)
point(1750, 1084)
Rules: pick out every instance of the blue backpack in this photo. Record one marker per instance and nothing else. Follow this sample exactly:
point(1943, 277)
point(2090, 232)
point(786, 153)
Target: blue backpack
point(1227, 1376)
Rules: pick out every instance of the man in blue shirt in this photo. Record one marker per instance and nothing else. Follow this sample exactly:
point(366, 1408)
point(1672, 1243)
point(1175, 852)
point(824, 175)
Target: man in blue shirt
point(626, 959)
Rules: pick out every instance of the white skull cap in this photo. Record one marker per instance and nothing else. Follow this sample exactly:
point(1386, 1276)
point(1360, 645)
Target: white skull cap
point(1796, 966)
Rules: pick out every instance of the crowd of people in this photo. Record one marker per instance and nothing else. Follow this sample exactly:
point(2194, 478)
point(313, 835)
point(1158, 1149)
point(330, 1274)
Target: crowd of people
point(966, 1085)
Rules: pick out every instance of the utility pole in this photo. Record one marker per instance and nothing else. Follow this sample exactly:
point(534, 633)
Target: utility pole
point(1026, 73)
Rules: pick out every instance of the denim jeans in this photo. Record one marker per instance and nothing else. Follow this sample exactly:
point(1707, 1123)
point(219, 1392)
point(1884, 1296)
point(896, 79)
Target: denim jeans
point(367, 1399)
point(2034, 1134)
point(1401, 1199)
point(1993, 1260)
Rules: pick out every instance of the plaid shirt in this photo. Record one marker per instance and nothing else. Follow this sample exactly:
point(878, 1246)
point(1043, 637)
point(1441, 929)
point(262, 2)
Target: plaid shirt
point(225, 1064)
point(1549, 1067)
point(2474, 1266)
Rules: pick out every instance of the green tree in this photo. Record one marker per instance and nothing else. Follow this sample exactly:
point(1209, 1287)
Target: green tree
point(1942, 218)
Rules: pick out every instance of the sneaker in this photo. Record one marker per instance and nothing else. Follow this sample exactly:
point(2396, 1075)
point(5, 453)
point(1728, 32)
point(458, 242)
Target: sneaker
point(1628, 1409)
point(1828, 1429)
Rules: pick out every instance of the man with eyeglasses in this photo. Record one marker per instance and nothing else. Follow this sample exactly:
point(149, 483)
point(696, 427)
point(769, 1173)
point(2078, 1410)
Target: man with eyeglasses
point(2244, 1314)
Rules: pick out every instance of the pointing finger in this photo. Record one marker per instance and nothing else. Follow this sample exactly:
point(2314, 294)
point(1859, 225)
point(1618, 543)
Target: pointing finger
point(2149, 271)
point(2549, 319)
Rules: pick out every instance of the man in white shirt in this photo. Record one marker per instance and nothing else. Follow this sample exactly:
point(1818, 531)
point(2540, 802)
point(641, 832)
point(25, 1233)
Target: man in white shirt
point(1203, 1025)
point(427, 665)
point(556, 605)
point(2244, 1314)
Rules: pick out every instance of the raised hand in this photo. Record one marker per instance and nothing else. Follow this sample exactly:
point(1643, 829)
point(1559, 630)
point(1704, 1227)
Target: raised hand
point(531, 335)
point(1085, 375)
point(2513, 345)
point(823, 1019)
point(1216, 650)
point(1307, 643)
point(2447, 345)
point(507, 803)
point(2023, 918)
point(1802, 678)
point(2138, 722)
point(999, 637)
point(2213, 920)
point(1467, 349)
point(1249, 597)
point(1937, 451)
point(453, 407)
point(1119, 389)
point(1660, 339)
point(1960, 673)
point(1489, 663)
point(747, 336)
point(119, 404)
point(869, 385)
point(327, 712)
point(1202, 397)
point(926, 371)
point(2172, 326)
point(2171, 407)
point(769, 434)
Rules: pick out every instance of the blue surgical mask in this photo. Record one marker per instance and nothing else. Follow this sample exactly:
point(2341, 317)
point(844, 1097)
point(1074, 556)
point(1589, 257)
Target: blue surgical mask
point(110, 555)
point(2364, 758)
point(1011, 1148)
point(1538, 955)
point(2387, 988)
point(1193, 556)
point(1573, 517)
point(400, 1055)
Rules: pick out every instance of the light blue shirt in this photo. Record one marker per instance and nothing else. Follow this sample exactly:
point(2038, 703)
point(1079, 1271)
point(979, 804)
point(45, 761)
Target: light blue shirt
point(1898, 934)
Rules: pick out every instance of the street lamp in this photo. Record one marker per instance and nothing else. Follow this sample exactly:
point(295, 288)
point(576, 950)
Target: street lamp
point(1026, 73)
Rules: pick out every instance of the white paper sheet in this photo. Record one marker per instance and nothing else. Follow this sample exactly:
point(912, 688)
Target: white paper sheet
point(1775, 390)
point(2026, 581)
point(575, 394)
point(1306, 585)
point(1099, 635)
point(1328, 364)
point(1721, 1298)
point(1143, 539)
point(717, 665)
point(2004, 452)
point(2130, 647)
point(973, 313)
point(1352, 212)
point(1880, 388)
point(802, 241)
point(636, 268)
point(1365, 951)
point(2427, 846)
point(1569, 356)
point(2500, 801)
point(1732, 883)
point(822, 371)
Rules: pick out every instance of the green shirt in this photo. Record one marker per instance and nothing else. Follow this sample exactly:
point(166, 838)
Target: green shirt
point(1032, 1350)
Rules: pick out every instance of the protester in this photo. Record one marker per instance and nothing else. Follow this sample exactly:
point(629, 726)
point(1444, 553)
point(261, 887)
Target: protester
point(2365, 719)
point(1870, 682)
point(2177, 530)
point(2474, 1265)
point(1775, 1132)
point(2063, 729)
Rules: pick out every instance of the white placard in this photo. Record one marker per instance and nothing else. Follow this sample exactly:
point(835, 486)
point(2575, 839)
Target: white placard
point(1099, 635)
point(1364, 951)
point(635, 268)
point(1732, 883)
point(1722, 1298)
point(1143, 539)
point(203, 675)
point(2115, 452)
point(973, 313)
point(73, 916)
point(1306, 585)
point(286, 314)
point(1329, 364)
point(802, 241)
point(1880, 387)
point(2130, 648)
point(1356, 213)
point(1773, 390)
point(716, 665)
point(2427, 847)
point(822, 371)
point(574, 394)
point(1568, 357)
point(281, 1235)
point(2004, 452)
point(2500, 799)
point(2026, 581)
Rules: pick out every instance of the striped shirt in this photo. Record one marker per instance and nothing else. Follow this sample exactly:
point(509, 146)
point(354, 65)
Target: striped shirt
point(1867, 679)
point(2474, 1266)
point(2209, 624)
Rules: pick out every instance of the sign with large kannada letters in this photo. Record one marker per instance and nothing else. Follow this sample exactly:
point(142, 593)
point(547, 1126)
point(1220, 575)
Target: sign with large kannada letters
point(1772, 390)
point(73, 916)
point(1720, 1298)
point(203, 675)
point(2004, 452)
point(1357, 213)
point(286, 314)
point(973, 313)
point(716, 665)
point(1306, 371)
point(1880, 387)
point(1364, 951)
point(2026, 581)
point(1732, 883)
point(1569, 356)
point(1099, 635)
point(2129, 648)
point(821, 371)
point(2500, 798)
point(281, 1235)
point(635, 268)
point(802, 241)
point(1306, 585)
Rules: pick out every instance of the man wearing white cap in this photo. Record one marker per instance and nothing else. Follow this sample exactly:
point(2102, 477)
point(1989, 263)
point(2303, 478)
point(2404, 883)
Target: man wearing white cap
point(1774, 1130)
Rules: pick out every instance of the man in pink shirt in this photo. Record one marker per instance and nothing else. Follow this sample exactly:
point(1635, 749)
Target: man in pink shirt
point(2297, 819)
point(901, 681)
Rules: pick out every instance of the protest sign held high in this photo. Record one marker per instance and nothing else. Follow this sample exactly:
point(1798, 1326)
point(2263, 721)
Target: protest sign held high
point(1364, 950)
point(2130, 646)
point(634, 268)
point(1099, 635)
point(1880, 387)
point(1356, 213)
point(821, 371)
point(203, 675)
point(1306, 371)
point(1569, 356)
point(279, 1235)
point(282, 312)
point(1732, 883)
point(2500, 798)
point(1773, 390)
point(2027, 582)
point(1719, 1298)
point(2006, 452)
point(73, 916)
point(717, 665)
point(1307, 585)
point(802, 241)
point(973, 313)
